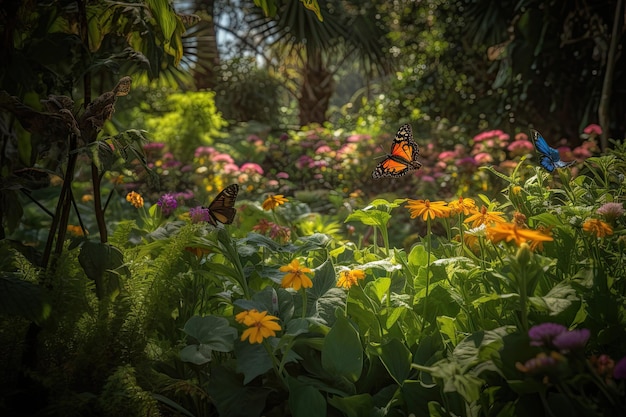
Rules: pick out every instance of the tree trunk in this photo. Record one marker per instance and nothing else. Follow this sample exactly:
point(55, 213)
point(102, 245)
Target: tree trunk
point(206, 72)
point(316, 90)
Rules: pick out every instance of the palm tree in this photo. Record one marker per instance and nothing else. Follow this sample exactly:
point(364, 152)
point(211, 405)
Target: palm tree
point(316, 49)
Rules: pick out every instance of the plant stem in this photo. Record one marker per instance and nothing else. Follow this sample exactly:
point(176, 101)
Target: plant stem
point(429, 242)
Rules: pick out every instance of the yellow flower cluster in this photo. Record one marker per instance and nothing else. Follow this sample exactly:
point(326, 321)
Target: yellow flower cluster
point(260, 325)
point(135, 199)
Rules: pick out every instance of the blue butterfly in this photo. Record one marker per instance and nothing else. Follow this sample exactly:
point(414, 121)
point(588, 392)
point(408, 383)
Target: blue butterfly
point(550, 158)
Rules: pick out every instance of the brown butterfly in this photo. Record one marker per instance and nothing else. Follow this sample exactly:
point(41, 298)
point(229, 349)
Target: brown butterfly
point(222, 208)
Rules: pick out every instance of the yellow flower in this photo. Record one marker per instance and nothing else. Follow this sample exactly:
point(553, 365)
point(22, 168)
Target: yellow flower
point(349, 278)
point(485, 217)
point(273, 201)
point(260, 325)
point(135, 199)
point(462, 205)
point(119, 179)
point(296, 276)
point(428, 209)
point(511, 232)
point(597, 227)
point(86, 198)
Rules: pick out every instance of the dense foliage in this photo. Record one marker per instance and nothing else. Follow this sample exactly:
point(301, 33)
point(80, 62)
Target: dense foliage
point(478, 285)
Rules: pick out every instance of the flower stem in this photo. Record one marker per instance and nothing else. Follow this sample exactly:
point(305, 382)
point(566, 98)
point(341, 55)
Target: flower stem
point(429, 242)
point(304, 303)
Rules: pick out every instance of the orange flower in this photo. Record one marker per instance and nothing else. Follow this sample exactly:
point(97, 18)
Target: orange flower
point(260, 325)
point(135, 199)
point(428, 209)
point(485, 217)
point(511, 232)
point(296, 276)
point(462, 205)
point(538, 245)
point(597, 227)
point(76, 230)
point(273, 201)
point(349, 278)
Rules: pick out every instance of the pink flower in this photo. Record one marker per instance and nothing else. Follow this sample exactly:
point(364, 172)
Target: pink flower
point(323, 149)
point(521, 136)
point(249, 166)
point(203, 150)
point(491, 134)
point(520, 147)
point(282, 175)
point(223, 157)
point(230, 167)
point(483, 158)
point(447, 156)
point(582, 152)
point(357, 138)
point(593, 129)
point(467, 162)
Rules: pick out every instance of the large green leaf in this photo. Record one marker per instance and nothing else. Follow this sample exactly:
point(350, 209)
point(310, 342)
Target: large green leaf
point(252, 360)
point(342, 354)
point(103, 263)
point(232, 398)
point(305, 400)
point(396, 358)
point(212, 331)
point(355, 405)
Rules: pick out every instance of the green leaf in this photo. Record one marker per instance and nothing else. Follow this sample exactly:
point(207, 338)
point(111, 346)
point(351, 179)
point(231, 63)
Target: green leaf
point(378, 289)
point(447, 327)
point(252, 360)
point(196, 354)
point(232, 398)
point(213, 331)
point(370, 217)
point(305, 400)
point(103, 263)
point(396, 358)
point(342, 354)
point(560, 298)
point(355, 405)
point(22, 298)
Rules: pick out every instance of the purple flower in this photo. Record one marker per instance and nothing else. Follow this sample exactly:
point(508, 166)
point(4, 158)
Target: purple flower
point(611, 211)
point(168, 204)
point(199, 214)
point(545, 333)
point(619, 372)
point(572, 340)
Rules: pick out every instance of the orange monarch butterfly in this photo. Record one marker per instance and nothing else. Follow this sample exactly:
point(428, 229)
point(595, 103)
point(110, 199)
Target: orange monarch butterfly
point(403, 156)
point(222, 208)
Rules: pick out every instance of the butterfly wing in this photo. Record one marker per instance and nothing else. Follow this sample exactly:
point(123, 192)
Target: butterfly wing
point(550, 158)
point(222, 208)
point(403, 156)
